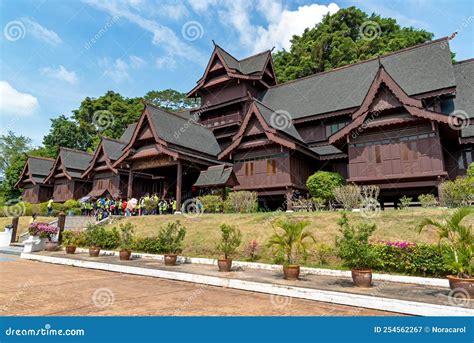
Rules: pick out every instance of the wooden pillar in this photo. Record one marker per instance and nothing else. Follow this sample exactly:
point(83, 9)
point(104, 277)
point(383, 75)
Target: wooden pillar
point(61, 225)
point(165, 188)
point(14, 229)
point(289, 200)
point(179, 183)
point(130, 183)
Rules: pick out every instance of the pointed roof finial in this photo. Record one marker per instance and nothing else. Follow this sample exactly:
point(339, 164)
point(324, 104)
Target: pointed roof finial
point(213, 42)
point(379, 61)
point(271, 50)
point(453, 35)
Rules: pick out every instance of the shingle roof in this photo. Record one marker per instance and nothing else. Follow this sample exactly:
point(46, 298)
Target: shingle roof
point(113, 148)
point(279, 121)
point(326, 150)
point(75, 159)
point(128, 133)
point(175, 129)
point(246, 66)
point(39, 166)
point(214, 176)
point(464, 101)
point(419, 69)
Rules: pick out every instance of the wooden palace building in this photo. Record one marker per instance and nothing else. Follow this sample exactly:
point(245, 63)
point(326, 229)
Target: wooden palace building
point(402, 121)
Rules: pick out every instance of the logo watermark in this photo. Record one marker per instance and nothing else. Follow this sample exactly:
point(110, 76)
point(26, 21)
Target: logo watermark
point(192, 208)
point(103, 119)
point(14, 208)
point(103, 297)
point(192, 30)
point(280, 119)
point(370, 30)
point(14, 30)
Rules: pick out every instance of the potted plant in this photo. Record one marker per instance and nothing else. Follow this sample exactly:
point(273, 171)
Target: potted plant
point(70, 240)
point(231, 238)
point(45, 233)
point(94, 236)
point(291, 245)
point(460, 240)
point(354, 249)
point(126, 238)
point(171, 238)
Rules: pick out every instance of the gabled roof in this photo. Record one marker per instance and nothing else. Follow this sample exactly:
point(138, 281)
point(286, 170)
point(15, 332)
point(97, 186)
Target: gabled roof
point(384, 81)
point(464, 101)
point(249, 65)
point(35, 169)
point(127, 134)
point(419, 69)
point(72, 163)
point(216, 176)
point(110, 149)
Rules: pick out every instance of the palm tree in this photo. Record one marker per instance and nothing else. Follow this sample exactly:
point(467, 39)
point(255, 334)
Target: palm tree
point(459, 238)
point(293, 241)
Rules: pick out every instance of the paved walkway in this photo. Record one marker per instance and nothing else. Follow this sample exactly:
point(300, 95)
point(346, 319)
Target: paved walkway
point(411, 294)
point(42, 289)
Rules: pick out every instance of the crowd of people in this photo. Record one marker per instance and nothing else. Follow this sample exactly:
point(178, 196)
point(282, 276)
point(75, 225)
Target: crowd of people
point(104, 207)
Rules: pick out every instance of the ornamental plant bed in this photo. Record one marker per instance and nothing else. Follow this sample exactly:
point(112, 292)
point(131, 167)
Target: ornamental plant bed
point(45, 232)
point(459, 239)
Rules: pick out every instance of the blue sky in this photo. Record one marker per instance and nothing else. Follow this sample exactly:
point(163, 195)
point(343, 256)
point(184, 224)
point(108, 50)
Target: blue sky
point(54, 53)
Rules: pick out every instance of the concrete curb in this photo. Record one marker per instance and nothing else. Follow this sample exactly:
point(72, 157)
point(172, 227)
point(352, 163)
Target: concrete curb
point(305, 270)
point(357, 300)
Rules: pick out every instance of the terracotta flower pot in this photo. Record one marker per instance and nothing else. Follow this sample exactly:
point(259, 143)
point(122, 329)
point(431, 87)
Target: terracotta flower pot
point(466, 284)
point(70, 249)
point(224, 264)
point(94, 252)
point(362, 277)
point(170, 259)
point(51, 246)
point(291, 272)
point(125, 255)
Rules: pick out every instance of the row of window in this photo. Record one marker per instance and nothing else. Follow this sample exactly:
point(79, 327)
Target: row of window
point(271, 168)
point(394, 140)
point(333, 128)
point(408, 152)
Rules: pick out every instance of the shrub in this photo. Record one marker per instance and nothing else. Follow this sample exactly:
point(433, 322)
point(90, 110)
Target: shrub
point(98, 236)
point(57, 207)
point(70, 237)
point(348, 196)
point(212, 203)
point(324, 252)
point(126, 236)
point(457, 193)
point(369, 192)
point(291, 245)
point(151, 245)
point(459, 238)
point(252, 250)
point(322, 184)
point(412, 259)
point(241, 202)
point(231, 237)
point(427, 200)
point(470, 170)
point(404, 202)
point(319, 204)
point(171, 237)
point(70, 204)
point(353, 247)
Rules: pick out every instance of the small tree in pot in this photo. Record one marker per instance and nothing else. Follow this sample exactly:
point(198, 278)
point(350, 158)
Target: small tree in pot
point(71, 239)
point(171, 239)
point(291, 245)
point(126, 239)
point(354, 249)
point(460, 241)
point(94, 235)
point(231, 237)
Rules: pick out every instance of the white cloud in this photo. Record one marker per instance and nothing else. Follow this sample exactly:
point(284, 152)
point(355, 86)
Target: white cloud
point(165, 62)
point(60, 73)
point(40, 32)
point(281, 23)
point(118, 70)
point(201, 5)
point(163, 36)
point(174, 11)
point(14, 102)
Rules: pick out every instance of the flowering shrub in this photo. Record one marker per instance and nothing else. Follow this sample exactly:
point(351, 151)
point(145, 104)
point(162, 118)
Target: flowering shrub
point(44, 230)
point(398, 244)
point(252, 250)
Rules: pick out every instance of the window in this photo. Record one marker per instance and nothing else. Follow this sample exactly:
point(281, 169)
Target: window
point(465, 159)
point(248, 168)
point(271, 167)
point(334, 127)
point(405, 152)
point(378, 157)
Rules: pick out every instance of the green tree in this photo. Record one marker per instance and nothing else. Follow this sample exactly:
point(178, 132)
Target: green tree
point(66, 133)
point(322, 184)
point(339, 40)
point(171, 100)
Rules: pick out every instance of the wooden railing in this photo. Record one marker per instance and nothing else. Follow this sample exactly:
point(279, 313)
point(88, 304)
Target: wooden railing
point(222, 120)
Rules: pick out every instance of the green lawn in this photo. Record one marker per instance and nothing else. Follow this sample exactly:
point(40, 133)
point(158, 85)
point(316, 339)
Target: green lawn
point(203, 231)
